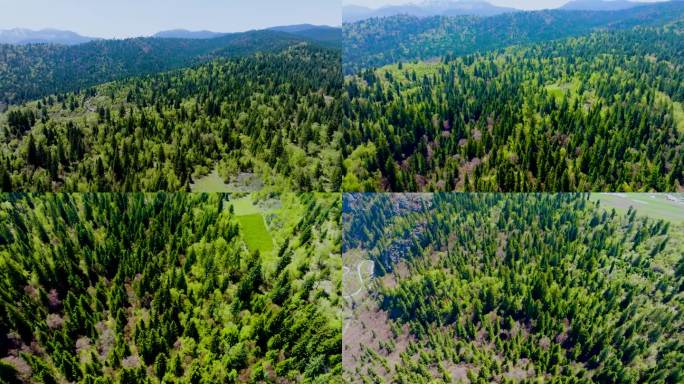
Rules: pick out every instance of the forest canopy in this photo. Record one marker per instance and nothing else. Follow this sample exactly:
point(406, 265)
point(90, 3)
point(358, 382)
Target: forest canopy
point(29, 72)
point(386, 40)
point(149, 288)
point(601, 112)
point(514, 288)
point(274, 116)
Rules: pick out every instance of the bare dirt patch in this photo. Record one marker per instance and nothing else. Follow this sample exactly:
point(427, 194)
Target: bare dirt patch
point(366, 330)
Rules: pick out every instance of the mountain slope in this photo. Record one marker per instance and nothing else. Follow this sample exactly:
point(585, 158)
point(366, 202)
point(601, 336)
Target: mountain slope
point(22, 36)
point(594, 113)
point(330, 36)
point(270, 115)
point(29, 72)
point(509, 288)
point(185, 34)
point(298, 28)
point(376, 42)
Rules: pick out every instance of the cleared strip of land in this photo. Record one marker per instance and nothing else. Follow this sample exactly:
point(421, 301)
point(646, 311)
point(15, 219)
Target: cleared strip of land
point(666, 206)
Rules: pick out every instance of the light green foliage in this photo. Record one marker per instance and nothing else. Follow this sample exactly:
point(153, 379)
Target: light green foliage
point(244, 206)
point(669, 207)
point(601, 112)
point(255, 233)
point(678, 111)
point(211, 182)
point(265, 120)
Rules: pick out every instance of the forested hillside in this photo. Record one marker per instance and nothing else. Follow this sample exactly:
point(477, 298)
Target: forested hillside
point(273, 115)
point(380, 209)
point(34, 71)
point(323, 34)
point(601, 112)
point(379, 41)
point(150, 288)
point(488, 288)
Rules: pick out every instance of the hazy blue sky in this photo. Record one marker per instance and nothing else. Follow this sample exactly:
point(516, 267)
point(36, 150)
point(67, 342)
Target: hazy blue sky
point(125, 18)
point(520, 4)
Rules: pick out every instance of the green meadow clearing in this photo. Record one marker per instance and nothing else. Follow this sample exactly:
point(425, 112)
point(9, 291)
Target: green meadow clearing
point(254, 230)
point(210, 183)
point(255, 233)
point(244, 206)
point(655, 205)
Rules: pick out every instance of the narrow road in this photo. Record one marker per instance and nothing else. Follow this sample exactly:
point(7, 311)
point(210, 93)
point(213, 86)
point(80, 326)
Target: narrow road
point(358, 271)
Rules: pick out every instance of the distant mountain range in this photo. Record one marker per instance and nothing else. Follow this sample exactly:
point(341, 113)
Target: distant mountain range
point(321, 33)
point(22, 36)
point(298, 28)
point(599, 5)
point(185, 34)
point(354, 13)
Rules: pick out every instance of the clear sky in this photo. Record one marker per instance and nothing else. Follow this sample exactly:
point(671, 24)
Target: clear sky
point(519, 4)
point(127, 18)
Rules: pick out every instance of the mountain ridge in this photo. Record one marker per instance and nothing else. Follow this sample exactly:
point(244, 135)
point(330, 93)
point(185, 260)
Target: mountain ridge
point(328, 35)
point(600, 5)
point(27, 36)
point(31, 71)
point(379, 41)
point(354, 13)
point(187, 34)
point(24, 36)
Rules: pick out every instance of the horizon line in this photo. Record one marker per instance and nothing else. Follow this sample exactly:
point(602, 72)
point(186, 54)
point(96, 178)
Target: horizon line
point(152, 35)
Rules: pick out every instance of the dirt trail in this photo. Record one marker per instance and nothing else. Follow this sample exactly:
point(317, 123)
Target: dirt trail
point(358, 271)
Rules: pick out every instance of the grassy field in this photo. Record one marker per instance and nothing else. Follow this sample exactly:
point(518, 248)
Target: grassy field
point(244, 206)
point(255, 233)
point(655, 205)
point(560, 89)
point(421, 69)
point(252, 225)
point(210, 183)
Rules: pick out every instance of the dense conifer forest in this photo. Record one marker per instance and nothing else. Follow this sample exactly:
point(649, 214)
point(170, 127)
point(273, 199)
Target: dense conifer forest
point(29, 72)
point(174, 288)
point(379, 41)
point(601, 112)
point(273, 115)
point(512, 288)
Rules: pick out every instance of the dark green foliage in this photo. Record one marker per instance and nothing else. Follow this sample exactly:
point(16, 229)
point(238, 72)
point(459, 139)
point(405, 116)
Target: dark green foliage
point(8, 374)
point(379, 41)
point(274, 115)
point(136, 288)
point(526, 286)
point(595, 113)
point(32, 71)
point(20, 121)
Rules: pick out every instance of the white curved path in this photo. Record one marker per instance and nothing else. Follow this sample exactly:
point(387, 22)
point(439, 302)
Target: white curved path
point(359, 268)
point(370, 270)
